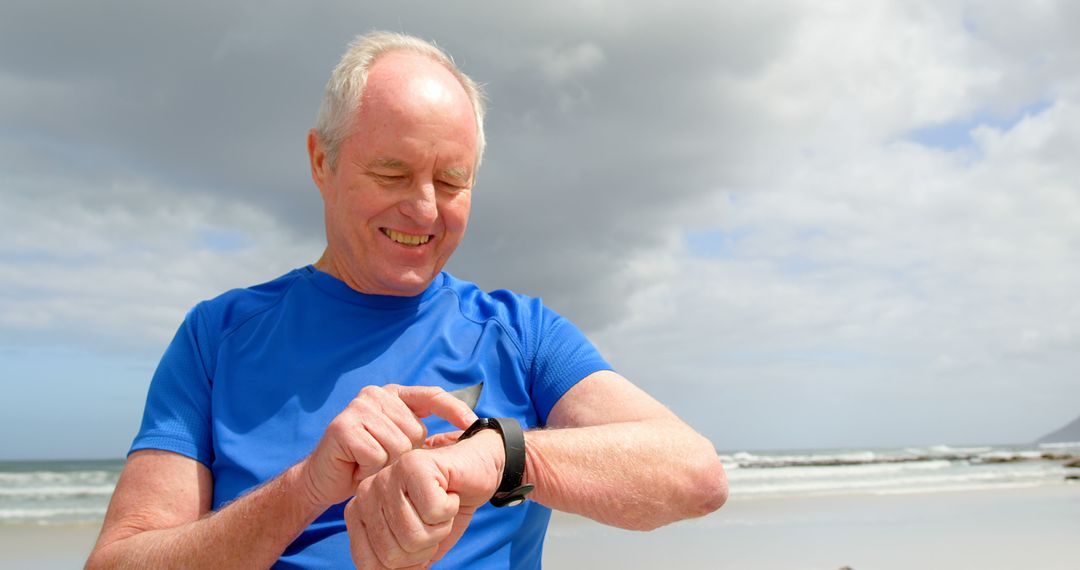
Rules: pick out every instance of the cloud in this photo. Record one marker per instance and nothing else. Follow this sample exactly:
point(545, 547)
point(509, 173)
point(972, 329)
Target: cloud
point(115, 266)
point(917, 282)
point(562, 63)
point(729, 198)
point(217, 103)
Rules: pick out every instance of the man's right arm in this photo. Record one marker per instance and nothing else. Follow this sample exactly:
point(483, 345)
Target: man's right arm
point(159, 516)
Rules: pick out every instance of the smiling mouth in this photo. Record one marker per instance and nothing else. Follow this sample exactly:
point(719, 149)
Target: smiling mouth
point(406, 239)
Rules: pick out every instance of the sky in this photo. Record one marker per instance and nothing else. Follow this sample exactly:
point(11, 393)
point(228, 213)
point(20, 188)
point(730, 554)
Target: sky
point(797, 224)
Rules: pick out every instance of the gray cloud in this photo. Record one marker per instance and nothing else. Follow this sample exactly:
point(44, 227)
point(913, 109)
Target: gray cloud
point(598, 131)
point(724, 195)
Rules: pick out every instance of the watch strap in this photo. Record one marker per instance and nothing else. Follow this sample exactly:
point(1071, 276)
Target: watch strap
point(511, 491)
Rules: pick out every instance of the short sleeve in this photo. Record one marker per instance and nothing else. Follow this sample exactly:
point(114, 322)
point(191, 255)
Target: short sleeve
point(563, 358)
point(177, 413)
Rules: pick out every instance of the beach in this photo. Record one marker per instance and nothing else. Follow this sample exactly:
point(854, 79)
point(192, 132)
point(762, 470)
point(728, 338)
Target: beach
point(989, 529)
point(989, 507)
point(1030, 528)
point(52, 547)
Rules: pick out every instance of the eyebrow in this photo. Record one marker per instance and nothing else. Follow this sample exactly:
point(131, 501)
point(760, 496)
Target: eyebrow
point(458, 173)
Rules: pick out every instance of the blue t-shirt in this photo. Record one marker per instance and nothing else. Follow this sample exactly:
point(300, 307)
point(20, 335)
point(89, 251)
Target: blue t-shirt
point(253, 378)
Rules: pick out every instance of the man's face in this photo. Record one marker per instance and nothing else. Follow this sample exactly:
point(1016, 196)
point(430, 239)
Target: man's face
point(397, 203)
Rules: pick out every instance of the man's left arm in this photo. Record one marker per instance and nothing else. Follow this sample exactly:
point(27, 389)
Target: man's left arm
point(614, 454)
point(611, 453)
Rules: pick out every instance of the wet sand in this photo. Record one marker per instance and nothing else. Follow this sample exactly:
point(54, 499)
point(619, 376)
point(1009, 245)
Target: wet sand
point(59, 547)
point(991, 529)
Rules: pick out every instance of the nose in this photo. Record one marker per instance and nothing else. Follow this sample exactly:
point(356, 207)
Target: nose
point(420, 205)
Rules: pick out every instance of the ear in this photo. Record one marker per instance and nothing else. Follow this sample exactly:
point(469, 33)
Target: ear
point(320, 168)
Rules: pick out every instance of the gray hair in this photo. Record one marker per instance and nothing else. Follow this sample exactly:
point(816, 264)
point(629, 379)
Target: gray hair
point(346, 87)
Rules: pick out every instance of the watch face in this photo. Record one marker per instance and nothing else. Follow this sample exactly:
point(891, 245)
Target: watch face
point(479, 425)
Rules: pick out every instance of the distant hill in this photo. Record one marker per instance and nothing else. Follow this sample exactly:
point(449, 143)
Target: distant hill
point(1070, 432)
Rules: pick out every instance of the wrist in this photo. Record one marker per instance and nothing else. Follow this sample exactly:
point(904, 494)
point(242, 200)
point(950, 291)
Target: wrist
point(298, 482)
point(510, 489)
point(489, 445)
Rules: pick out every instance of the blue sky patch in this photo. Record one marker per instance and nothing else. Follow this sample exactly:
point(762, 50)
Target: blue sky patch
point(223, 240)
point(957, 134)
point(714, 242)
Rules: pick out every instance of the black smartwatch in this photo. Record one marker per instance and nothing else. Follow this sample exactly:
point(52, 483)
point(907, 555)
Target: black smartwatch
point(510, 492)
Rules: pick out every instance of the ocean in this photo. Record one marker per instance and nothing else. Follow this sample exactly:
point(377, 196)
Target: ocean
point(908, 470)
point(56, 492)
point(43, 493)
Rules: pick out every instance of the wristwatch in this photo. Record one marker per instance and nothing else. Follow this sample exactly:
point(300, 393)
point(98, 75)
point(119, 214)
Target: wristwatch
point(510, 492)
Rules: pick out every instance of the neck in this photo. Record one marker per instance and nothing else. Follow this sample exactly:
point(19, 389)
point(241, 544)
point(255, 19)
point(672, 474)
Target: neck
point(326, 264)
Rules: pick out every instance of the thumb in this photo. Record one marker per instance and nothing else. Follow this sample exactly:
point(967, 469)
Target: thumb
point(442, 439)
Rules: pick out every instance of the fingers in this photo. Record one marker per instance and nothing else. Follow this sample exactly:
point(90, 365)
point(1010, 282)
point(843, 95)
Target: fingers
point(387, 525)
point(377, 427)
point(425, 487)
point(391, 435)
point(398, 547)
point(396, 411)
point(363, 554)
point(365, 451)
point(427, 401)
point(460, 524)
point(407, 538)
point(367, 440)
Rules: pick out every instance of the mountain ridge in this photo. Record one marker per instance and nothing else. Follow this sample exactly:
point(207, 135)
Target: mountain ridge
point(1068, 432)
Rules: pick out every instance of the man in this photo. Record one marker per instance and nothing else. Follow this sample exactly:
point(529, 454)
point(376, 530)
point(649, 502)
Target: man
point(286, 423)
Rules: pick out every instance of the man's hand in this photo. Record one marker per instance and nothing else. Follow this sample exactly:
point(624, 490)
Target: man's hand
point(375, 429)
point(410, 514)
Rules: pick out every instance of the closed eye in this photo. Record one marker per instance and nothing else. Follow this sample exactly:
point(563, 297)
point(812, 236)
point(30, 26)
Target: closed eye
point(387, 178)
point(450, 187)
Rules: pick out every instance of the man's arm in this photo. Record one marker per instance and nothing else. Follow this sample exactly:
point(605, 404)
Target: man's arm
point(614, 454)
point(158, 516)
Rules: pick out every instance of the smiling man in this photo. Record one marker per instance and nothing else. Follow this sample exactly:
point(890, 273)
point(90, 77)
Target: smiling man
point(290, 424)
point(398, 192)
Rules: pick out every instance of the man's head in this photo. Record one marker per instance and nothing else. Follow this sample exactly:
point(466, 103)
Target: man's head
point(345, 88)
point(395, 164)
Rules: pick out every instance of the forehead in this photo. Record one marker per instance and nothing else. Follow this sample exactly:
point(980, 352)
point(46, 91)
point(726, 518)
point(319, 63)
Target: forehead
point(413, 105)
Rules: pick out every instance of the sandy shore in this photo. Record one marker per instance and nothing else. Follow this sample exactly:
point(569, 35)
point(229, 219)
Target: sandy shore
point(1001, 529)
point(46, 547)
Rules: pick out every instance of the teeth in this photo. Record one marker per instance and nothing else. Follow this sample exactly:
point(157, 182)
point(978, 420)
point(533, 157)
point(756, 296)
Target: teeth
point(407, 239)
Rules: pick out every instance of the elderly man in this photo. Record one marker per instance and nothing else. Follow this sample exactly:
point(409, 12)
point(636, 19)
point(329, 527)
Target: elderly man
point(289, 423)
